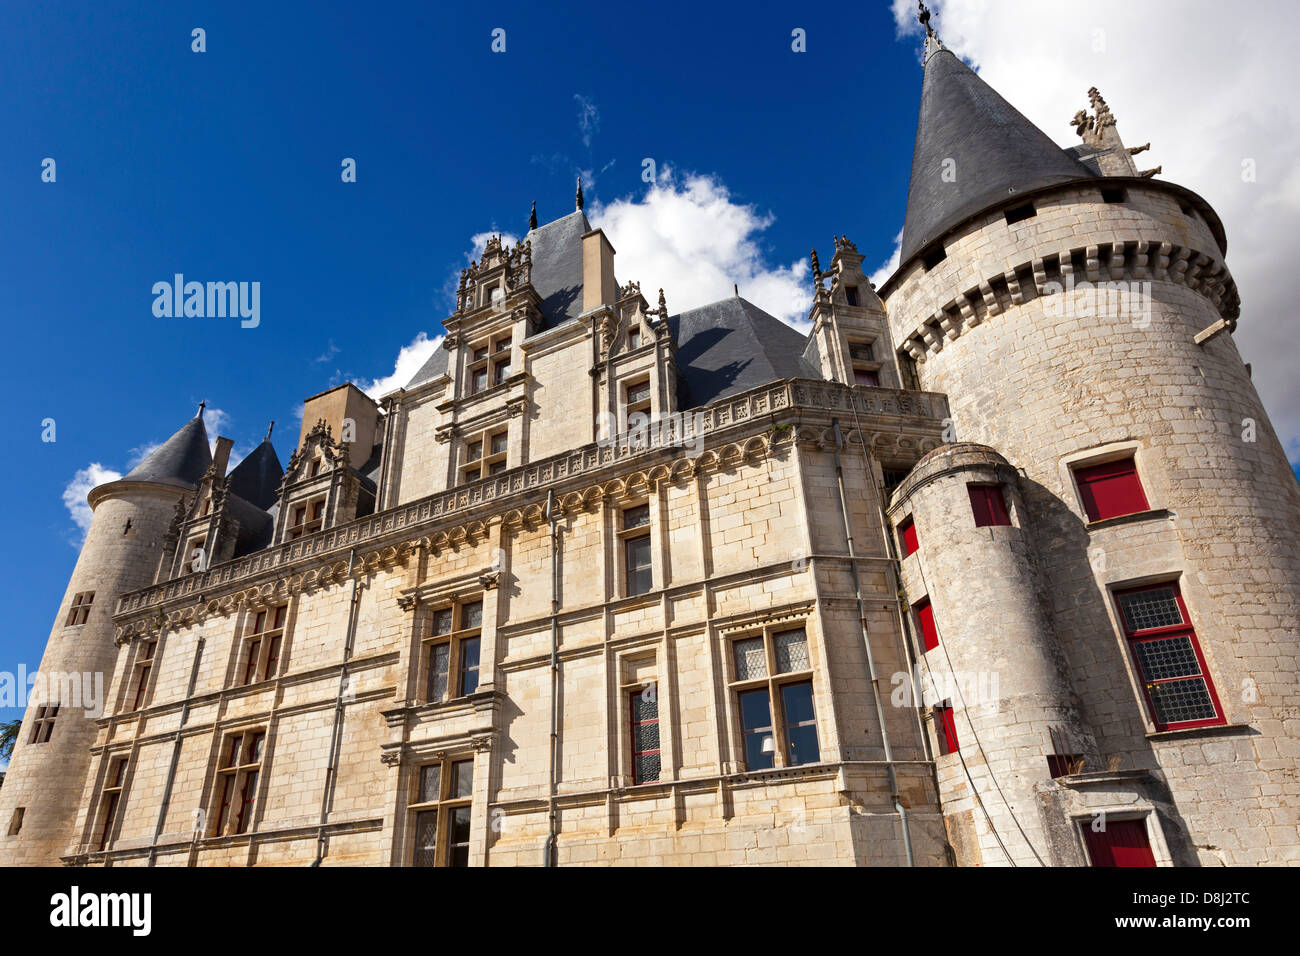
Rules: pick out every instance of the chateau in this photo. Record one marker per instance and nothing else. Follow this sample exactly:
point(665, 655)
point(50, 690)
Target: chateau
point(998, 565)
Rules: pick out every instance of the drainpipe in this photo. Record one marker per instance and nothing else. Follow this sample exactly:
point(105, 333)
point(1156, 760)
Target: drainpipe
point(550, 851)
point(866, 643)
point(176, 749)
point(331, 769)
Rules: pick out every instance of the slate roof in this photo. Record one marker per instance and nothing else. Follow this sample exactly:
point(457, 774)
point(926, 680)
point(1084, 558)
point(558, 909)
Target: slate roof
point(180, 460)
point(732, 345)
point(998, 153)
point(257, 478)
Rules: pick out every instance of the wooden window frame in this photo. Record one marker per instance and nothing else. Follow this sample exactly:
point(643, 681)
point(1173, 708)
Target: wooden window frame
point(860, 366)
point(263, 646)
point(908, 542)
point(302, 524)
point(945, 728)
point(489, 460)
point(79, 611)
point(1186, 629)
point(635, 534)
point(456, 640)
point(234, 805)
point(491, 358)
point(925, 626)
point(145, 656)
point(773, 682)
point(444, 807)
point(110, 799)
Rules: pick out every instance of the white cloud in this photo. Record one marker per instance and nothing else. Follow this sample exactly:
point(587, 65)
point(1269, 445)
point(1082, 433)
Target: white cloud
point(409, 360)
point(689, 237)
point(1209, 87)
point(140, 452)
point(215, 421)
point(74, 495)
point(588, 118)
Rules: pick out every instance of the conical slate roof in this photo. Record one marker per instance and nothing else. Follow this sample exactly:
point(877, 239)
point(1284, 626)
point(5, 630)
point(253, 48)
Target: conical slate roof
point(256, 479)
point(180, 460)
point(997, 153)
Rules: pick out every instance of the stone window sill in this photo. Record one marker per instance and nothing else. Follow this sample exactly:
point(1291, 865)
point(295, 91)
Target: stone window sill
point(1215, 730)
point(1155, 514)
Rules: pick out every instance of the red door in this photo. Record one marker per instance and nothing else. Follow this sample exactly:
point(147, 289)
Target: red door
point(1122, 843)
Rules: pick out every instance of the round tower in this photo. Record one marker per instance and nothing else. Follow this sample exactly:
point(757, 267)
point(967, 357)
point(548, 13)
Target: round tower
point(44, 786)
point(1078, 315)
point(991, 673)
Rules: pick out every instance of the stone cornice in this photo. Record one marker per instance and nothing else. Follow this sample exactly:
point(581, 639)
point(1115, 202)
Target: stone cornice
point(745, 427)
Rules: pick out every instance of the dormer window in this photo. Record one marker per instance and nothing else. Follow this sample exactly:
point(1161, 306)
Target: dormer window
point(489, 363)
point(637, 402)
point(314, 468)
point(307, 518)
point(485, 456)
point(633, 339)
point(851, 294)
point(866, 370)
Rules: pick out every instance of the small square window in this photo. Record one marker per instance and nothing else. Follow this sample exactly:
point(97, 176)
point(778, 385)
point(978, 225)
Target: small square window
point(1020, 213)
point(1111, 490)
point(851, 294)
point(1112, 194)
point(988, 505)
point(934, 257)
point(638, 517)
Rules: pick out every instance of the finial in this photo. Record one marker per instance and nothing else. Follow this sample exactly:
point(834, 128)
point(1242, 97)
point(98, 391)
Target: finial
point(532, 216)
point(268, 430)
point(816, 264)
point(202, 405)
point(932, 42)
point(735, 290)
point(663, 306)
point(578, 198)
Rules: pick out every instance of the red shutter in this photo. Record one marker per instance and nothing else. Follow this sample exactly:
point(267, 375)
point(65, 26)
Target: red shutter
point(925, 617)
point(1122, 843)
point(1111, 490)
point(947, 728)
point(907, 532)
point(988, 505)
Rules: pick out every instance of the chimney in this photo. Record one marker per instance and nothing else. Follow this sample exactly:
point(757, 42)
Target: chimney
point(598, 287)
point(222, 457)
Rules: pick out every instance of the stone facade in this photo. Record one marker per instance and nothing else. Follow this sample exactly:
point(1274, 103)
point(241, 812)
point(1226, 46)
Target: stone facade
point(609, 585)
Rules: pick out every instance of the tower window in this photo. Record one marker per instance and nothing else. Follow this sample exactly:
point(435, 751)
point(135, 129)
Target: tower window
point(1111, 490)
point(440, 813)
point(644, 707)
point(851, 294)
point(945, 729)
point(43, 724)
point(907, 537)
point(1020, 213)
point(1163, 643)
point(1120, 843)
point(934, 257)
point(454, 637)
point(989, 505)
point(1112, 194)
point(80, 609)
point(16, 821)
point(241, 764)
point(925, 621)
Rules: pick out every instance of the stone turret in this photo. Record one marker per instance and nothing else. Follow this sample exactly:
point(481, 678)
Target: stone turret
point(39, 802)
point(1078, 318)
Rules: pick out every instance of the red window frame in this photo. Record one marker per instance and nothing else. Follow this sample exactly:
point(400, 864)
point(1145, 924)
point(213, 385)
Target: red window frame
point(989, 505)
point(1111, 490)
point(946, 727)
point(925, 620)
point(1142, 635)
point(1121, 843)
point(907, 535)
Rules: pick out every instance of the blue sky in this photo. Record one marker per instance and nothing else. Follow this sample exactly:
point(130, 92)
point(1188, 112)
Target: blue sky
point(225, 165)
